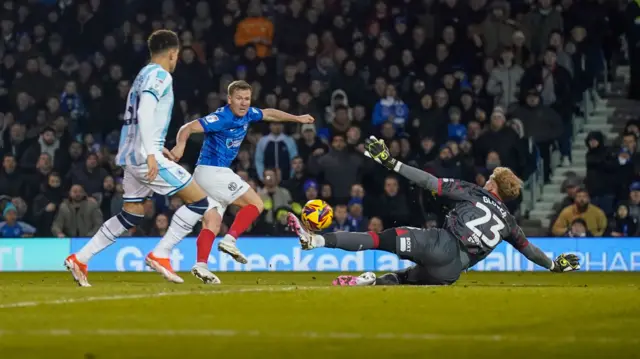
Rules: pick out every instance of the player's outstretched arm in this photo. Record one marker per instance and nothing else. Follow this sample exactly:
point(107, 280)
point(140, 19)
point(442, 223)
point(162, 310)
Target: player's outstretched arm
point(183, 135)
point(563, 263)
point(377, 150)
point(273, 115)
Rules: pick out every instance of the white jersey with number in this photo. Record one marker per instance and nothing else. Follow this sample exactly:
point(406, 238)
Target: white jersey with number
point(156, 81)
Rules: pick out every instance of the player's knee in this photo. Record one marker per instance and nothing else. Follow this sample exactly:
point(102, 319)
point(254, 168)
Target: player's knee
point(212, 221)
point(259, 205)
point(129, 220)
point(199, 207)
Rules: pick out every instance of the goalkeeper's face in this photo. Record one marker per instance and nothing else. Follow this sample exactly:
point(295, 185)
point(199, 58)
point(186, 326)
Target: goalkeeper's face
point(240, 101)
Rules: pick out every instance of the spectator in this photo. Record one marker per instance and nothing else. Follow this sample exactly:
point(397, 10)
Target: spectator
point(539, 24)
point(160, 226)
point(594, 217)
point(356, 218)
point(341, 221)
point(310, 190)
point(497, 29)
point(628, 163)
point(457, 131)
point(375, 225)
point(310, 144)
point(553, 82)
point(47, 203)
point(578, 229)
point(90, 177)
point(276, 150)
point(503, 140)
point(17, 144)
point(622, 223)
point(11, 227)
point(391, 108)
point(392, 206)
point(504, 81)
point(77, 216)
point(543, 124)
point(255, 30)
point(445, 166)
point(634, 200)
point(601, 172)
point(339, 168)
point(295, 184)
point(273, 196)
point(47, 143)
point(11, 178)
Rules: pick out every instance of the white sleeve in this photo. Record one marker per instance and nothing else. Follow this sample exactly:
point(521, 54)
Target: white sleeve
point(148, 132)
point(157, 84)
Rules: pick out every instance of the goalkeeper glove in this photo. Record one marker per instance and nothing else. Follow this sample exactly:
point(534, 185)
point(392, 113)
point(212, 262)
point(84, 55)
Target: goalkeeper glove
point(378, 151)
point(566, 263)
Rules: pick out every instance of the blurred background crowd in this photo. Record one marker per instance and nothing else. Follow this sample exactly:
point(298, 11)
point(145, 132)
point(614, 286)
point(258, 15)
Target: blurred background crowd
point(454, 87)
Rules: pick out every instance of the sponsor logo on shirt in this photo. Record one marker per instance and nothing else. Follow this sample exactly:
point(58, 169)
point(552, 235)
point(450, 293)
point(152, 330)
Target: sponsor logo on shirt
point(233, 142)
point(211, 118)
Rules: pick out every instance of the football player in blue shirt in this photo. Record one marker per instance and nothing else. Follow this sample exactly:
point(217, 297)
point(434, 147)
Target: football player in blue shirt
point(224, 132)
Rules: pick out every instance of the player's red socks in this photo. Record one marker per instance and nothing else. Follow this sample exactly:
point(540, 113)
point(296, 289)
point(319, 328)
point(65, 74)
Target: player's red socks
point(246, 215)
point(204, 243)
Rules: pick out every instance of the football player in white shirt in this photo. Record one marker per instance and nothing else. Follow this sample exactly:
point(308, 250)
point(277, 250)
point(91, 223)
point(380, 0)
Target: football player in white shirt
point(146, 170)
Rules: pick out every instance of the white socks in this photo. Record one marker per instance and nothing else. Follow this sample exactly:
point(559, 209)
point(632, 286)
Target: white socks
point(106, 236)
point(181, 225)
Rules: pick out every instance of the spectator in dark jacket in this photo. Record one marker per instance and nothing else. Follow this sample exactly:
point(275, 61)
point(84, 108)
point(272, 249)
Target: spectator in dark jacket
point(339, 168)
point(543, 124)
point(310, 144)
point(623, 224)
point(601, 171)
point(90, 176)
point(502, 139)
point(11, 178)
point(47, 143)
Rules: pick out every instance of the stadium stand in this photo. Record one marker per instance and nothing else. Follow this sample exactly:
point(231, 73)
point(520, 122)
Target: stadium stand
point(456, 88)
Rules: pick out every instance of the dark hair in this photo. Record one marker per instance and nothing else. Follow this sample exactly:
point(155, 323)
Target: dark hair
point(162, 40)
point(48, 129)
point(579, 220)
point(341, 107)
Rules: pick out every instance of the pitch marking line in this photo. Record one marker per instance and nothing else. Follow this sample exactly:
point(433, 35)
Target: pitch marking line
point(421, 337)
point(154, 295)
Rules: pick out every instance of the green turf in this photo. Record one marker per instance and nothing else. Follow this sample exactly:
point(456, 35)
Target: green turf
point(297, 315)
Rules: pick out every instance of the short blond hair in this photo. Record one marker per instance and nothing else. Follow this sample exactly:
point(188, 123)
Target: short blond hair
point(238, 85)
point(509, 185)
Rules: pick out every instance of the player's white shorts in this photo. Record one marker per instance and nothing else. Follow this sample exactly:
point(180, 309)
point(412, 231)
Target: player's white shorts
point(171, 178)
point(221, 184)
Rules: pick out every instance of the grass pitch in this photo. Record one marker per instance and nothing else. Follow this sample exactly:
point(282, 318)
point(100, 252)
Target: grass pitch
point(298, 315)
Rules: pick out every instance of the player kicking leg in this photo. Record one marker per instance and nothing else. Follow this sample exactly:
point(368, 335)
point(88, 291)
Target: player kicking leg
point(141, 153)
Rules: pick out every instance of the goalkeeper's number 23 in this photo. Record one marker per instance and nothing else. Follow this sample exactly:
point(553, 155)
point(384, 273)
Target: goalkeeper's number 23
point(495, 229)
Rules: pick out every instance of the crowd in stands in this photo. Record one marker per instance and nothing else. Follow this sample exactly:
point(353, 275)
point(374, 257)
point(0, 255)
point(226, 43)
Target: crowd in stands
point(454, 87)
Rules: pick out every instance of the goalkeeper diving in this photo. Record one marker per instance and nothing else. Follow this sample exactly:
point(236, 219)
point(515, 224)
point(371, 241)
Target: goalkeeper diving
point(477, 222)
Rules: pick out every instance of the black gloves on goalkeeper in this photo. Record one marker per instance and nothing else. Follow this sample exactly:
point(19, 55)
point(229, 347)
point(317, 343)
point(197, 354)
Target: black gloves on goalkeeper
point(566, 263)
point(377, 150)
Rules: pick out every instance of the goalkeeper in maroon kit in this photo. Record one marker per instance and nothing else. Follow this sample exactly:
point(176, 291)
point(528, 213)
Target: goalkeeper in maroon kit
point(478, 221)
